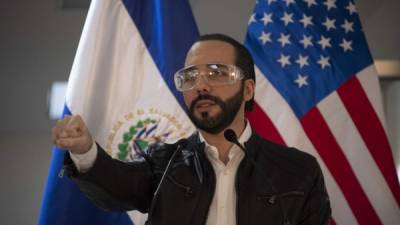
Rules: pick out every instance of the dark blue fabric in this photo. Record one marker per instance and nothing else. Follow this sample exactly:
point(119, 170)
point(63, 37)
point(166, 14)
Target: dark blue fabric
point(168, 30)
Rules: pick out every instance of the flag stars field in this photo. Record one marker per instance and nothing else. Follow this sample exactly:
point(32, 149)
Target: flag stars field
point(287, 18)
point(351, 7)
point(324, 61)
point(306, 21)
point(252, 19)
point(330, 4)
point(325, 42)
point(265, 37)
point(329, 23)
point(284, 60)
point(284, 39)
point(347, 26)
point(301, 80)
point(302, 61)
point(306, 41)
point(288, 2)
point(267, 18)
point(346, 45)
point(310, 3)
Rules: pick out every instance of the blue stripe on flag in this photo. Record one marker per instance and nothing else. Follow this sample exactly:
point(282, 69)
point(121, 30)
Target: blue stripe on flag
point(168, 30)
point(65, 204)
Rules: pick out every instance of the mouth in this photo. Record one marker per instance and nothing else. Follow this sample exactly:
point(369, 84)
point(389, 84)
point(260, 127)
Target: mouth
point(204, 104)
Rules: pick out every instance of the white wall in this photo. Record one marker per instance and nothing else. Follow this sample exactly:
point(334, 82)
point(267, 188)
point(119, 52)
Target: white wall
point(391, 97)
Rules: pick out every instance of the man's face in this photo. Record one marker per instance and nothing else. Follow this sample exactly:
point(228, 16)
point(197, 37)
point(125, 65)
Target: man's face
point(213, 108)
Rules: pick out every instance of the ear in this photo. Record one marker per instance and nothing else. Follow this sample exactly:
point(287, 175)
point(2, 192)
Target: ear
point(249, 89)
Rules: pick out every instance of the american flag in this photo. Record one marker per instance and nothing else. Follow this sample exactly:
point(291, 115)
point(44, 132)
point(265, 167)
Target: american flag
point(317, 89)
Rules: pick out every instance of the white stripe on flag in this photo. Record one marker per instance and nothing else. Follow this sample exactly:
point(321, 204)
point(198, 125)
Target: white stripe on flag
point(278, 111)
point(369, 81)
point(293, 134)
point(368, 174)
point(126, 77)
point(113, 74)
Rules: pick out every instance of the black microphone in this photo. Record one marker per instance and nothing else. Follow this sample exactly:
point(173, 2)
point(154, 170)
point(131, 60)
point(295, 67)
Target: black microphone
point(231, 136)
point(181, 144)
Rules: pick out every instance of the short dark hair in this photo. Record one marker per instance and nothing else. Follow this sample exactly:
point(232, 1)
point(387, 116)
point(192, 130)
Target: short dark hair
point(243, 59)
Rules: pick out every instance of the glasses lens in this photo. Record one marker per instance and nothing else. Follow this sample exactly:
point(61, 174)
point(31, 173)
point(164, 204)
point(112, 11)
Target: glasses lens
point(214, 74)
point(186, 78)
point(219, 74)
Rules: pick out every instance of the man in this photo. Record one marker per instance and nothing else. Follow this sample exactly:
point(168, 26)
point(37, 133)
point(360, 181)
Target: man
point(210, 180)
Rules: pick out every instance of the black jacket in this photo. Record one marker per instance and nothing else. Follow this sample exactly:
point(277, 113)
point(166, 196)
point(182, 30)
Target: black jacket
point(294, 188)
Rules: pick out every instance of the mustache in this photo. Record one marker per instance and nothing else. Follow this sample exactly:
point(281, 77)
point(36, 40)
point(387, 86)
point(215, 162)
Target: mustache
point(215, 99)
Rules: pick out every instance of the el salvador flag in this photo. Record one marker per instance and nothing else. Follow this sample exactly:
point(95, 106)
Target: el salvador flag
point(121, 83)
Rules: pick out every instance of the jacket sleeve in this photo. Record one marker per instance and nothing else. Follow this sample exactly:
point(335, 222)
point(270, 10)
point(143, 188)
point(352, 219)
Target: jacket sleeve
point(114, 185)
point(317, 210)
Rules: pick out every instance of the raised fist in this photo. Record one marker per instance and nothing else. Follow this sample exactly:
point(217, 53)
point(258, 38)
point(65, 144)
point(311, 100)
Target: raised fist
point(72, 134)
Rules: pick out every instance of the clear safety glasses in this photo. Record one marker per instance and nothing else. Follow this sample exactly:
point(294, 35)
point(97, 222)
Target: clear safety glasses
point(214, 74)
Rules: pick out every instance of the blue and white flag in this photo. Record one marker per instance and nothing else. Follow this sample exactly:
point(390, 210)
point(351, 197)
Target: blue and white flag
point(121, 83)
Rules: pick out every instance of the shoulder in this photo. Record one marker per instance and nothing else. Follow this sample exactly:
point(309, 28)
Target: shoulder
point(285, 158)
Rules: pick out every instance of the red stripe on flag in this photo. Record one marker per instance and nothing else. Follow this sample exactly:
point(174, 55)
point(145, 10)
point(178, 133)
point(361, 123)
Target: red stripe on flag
point(263, 125)
point(322, 138)
point(371, 130)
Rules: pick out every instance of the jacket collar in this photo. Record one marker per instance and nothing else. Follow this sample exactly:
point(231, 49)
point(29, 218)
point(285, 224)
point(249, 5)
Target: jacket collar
point(196, 144)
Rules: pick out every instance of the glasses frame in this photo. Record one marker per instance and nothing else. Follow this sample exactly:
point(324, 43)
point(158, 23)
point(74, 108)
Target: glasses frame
point(235, 72)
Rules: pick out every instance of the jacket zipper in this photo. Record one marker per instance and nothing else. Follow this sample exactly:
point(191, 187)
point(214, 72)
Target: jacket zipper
point(271, 198)
point(188, 190)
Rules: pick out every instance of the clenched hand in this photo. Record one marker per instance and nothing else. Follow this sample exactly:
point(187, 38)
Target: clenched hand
point(72, 134)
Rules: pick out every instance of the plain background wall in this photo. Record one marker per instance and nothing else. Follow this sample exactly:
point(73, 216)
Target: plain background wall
point(38, 40)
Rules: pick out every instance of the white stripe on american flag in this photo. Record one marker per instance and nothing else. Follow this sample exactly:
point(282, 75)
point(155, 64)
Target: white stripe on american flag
point(278, 111)
point(357, 154)
point(369, 81)
point(292, 132)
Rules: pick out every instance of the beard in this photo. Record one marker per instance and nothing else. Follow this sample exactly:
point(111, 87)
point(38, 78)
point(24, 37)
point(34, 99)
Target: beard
point(219, 122)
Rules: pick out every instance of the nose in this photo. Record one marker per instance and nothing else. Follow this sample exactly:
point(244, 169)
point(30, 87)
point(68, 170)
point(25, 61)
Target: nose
point(202, 84)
